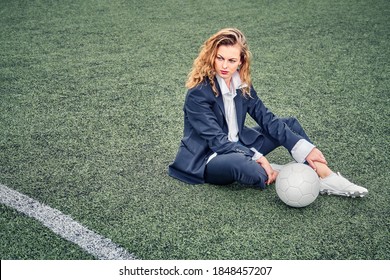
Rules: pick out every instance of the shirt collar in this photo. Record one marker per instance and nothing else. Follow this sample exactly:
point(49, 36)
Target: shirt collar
point(236, 82)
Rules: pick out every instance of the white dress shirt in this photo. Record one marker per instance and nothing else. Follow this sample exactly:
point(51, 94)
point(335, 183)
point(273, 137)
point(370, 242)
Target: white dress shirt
point(228, 95)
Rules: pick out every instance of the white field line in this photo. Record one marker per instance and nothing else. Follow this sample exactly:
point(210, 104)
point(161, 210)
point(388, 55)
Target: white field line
point(100, 247)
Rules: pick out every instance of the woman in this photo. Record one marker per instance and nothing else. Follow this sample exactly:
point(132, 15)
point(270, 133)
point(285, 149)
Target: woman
point(217, 147)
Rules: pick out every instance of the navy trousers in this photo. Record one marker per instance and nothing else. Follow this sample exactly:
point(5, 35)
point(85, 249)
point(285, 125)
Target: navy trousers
point(236, 167)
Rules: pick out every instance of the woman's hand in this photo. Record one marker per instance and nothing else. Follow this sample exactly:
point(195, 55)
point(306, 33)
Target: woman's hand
point(315, 156)
point(272, 174)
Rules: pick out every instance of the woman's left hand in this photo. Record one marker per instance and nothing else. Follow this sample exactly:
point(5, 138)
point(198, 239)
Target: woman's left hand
point(271, 173)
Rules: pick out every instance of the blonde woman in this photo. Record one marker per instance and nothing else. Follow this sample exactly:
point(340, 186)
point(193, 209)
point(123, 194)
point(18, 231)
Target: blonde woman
point(217, 147)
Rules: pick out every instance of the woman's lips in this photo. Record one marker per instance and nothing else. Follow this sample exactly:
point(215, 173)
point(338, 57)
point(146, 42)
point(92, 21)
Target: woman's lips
point(224, 72)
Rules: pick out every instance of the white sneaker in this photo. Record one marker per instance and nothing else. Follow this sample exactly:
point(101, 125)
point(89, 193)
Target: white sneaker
point(338, 185)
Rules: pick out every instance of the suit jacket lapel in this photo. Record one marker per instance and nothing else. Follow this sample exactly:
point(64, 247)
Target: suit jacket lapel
point(239, 112)
point(219, 98)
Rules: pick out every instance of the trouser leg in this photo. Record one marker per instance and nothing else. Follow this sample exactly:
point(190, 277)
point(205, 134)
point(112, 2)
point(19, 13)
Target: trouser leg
point(235, 167)
point(268, 144)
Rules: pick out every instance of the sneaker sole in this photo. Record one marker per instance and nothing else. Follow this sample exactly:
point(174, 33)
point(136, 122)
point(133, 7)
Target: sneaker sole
point(348, 194)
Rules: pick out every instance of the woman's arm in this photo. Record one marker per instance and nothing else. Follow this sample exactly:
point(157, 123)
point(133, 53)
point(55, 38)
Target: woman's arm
point(271, 124)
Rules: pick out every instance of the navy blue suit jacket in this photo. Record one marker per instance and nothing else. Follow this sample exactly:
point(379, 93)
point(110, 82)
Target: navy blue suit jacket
point(206, 130)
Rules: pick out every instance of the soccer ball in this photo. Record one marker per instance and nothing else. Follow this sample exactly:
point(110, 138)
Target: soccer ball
point(297, 185)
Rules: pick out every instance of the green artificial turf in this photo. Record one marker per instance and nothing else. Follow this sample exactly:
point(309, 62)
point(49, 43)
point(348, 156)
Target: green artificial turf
point(23, 238)
point(91, 96)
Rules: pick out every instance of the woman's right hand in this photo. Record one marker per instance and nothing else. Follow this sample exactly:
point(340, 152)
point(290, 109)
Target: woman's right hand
point(315, 156)
point(271, 173)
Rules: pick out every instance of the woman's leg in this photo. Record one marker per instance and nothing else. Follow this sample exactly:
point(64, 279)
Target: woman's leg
point(322, 170)
point(330, 182)
point(268, 144)
point(235, 167)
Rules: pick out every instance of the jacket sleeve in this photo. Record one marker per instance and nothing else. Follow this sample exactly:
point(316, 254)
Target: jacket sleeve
point(271, 124)
point(198, 108)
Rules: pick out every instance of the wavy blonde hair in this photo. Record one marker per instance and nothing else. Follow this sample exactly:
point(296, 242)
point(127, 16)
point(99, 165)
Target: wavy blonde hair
point(203, 65)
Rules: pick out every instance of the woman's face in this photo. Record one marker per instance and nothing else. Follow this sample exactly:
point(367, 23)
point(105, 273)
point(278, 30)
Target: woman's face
point(227, 61)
